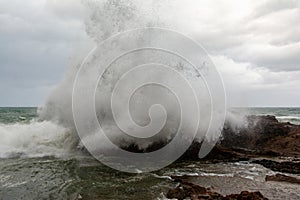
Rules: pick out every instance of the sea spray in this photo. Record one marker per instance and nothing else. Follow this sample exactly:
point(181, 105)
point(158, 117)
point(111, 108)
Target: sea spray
point(35, 139)
point(105, 19)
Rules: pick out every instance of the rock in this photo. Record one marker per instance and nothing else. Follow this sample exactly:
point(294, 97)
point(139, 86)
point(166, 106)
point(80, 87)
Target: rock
point(192, 152)
point(286, 145)
point(183, 179)
point(187, 190)
point(282, 178)
point(220, 153)
point(261, 136)
point(284, 166)
point(245, 195)
point(257, 131)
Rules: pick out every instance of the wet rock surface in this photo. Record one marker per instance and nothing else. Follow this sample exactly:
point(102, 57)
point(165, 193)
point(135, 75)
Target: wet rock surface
point(260, 137)
point(283, 166)
point(187, 190)
point(264, 135)
point(263, 140)
point(282, 178)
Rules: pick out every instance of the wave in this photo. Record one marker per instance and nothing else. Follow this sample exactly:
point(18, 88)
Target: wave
point(101, 15)
point(54, 136)
point(35, 139)
point(288, 117)
point(291, 119)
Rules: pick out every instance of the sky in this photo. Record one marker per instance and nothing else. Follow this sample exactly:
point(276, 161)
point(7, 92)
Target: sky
point(254, 44)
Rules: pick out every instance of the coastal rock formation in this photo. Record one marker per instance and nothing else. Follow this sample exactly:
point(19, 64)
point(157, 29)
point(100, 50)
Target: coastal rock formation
point(187, 190)
point(261, 136)
point(282, 166)
point(282, 178)
point(258, 134)
point(286, 145)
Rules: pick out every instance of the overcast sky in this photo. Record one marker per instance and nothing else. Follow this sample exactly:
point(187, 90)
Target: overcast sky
point(254, 44)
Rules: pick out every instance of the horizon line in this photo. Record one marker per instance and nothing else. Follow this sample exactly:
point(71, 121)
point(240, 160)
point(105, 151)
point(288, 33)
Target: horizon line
point(282, 106)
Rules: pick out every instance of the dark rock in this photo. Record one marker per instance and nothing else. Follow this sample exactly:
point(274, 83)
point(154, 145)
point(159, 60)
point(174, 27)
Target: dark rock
point(133, 147)
point(187, 190)
point(181, 179)
point(245, 195)
point(286, 145)
point(257, 131)
point(261, 136)
point(282, 178)
point(220, 153)
point(284, 166)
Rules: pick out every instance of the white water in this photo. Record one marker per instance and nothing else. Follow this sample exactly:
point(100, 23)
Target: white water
point(36, 139)
point(55, 134)
point(105, 18)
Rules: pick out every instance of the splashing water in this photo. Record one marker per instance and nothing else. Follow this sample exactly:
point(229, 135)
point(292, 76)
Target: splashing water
point(104, 19)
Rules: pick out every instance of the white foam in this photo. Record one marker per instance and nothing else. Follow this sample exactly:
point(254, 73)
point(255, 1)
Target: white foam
point(104, 19)
point(288, 117)
point(36, 139)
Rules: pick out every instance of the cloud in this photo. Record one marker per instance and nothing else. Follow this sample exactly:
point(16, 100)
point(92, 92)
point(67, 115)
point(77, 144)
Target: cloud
point(35, 47)
point(270, 7)
point(66, 9)
point(263, 33)
point(255, 44)
point(247, 85)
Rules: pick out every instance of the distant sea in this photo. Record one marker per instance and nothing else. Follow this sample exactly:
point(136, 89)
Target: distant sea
point(36, 162)
point(283, 114)
point(10, 115)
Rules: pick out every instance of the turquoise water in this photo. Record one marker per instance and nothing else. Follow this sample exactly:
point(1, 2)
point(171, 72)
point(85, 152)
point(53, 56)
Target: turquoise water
point(283, 114)
point(17, 114)
point(37, 162)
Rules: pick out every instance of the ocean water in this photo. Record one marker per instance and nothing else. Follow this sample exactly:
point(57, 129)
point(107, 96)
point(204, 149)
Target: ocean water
point(12, 115)
point(283, 114)
point(38, 160)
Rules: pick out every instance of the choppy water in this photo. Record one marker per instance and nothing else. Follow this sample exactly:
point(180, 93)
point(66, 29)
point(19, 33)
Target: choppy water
point(14, 115)
point(44, 167)
point(283, 114)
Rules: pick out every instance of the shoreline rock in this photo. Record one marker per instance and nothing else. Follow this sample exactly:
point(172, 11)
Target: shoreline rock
point(263, 137)
point(187, 190)
point(260, 137)
point(282, 178)
point(283, 166)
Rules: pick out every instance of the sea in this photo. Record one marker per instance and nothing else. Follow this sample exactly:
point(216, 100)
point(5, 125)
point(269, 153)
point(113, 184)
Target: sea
point(38, 160)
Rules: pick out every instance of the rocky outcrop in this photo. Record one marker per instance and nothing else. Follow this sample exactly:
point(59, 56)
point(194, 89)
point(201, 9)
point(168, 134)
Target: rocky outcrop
point(282, 178)
point(264, 136)
point(187, 190)
point(282, 166)
point(256, 134)
point(285, 145)
point(260, 136)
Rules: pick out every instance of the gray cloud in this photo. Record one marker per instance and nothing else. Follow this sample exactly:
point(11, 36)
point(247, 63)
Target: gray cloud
point(35, 48)
point(255, 44)
point(269, 7)
point(263, 33)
